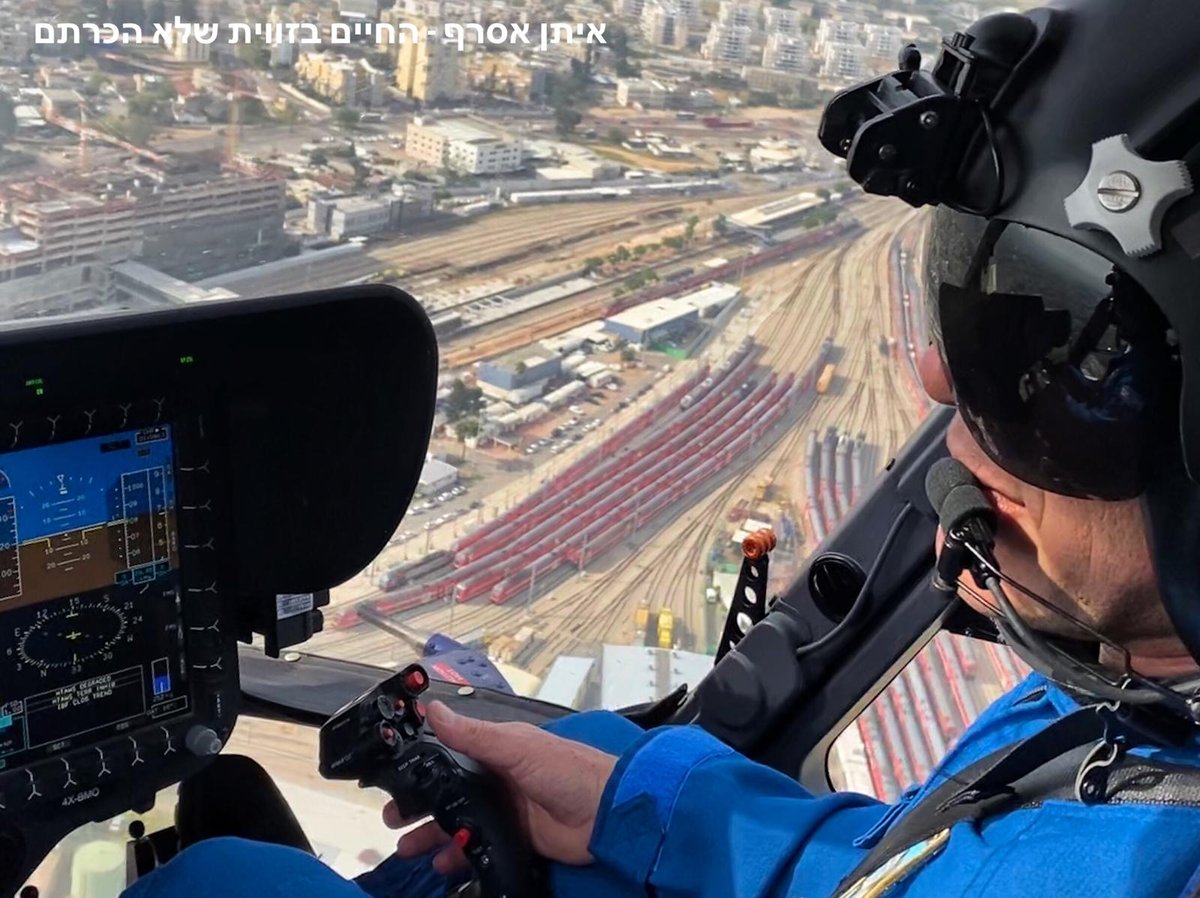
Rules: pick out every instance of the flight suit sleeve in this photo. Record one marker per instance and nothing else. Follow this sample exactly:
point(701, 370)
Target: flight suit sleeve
point(683, 814)
point(238, 868)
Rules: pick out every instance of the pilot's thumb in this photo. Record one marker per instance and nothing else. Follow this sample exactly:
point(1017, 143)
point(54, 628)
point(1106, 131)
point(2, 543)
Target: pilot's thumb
point(493, 744)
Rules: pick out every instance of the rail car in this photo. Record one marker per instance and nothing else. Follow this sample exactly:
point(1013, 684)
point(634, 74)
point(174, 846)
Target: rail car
point(966, 656)
point(943, 704)
point(881, 779)
point(957, 679)
point(402, 574)
point(576, 507)
point(600, 536)
point(529, 511)
point(447, 323)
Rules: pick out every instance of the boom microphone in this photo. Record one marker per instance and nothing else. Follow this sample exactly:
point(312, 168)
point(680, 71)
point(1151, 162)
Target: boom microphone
point(955, 495)
point(965, 515)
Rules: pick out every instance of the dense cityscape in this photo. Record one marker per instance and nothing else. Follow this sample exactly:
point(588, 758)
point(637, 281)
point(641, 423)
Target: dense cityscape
point(666, 319)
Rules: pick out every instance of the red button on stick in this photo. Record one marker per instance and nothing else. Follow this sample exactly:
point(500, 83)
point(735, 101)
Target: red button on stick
point(415, 681)
point(462, 838)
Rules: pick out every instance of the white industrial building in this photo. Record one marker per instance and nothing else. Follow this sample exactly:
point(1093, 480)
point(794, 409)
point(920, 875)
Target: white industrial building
point(594, 374)
point(461, 145)
point(567, 681)
point(343, 217)
point(564, 394)
point(360, 216)
point(712, 298)
point(634, 674)
point(644, 92)
point(436, 477)
point(651, 322)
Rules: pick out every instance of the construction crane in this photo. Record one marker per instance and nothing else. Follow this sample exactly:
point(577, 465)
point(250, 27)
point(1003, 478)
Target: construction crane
point(233, 127)
point(83, 140)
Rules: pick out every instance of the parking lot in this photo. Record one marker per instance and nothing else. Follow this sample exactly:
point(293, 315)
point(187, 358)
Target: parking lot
point(434, 511)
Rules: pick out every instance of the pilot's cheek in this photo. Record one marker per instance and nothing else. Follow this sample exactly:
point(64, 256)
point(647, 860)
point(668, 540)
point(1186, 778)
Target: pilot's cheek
point(934, 377)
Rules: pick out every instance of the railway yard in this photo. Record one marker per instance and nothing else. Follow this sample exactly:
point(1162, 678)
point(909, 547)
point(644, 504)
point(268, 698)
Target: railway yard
point(784, 415)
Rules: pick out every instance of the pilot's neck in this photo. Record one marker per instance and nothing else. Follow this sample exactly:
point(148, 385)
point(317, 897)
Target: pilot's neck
point(1161, 658)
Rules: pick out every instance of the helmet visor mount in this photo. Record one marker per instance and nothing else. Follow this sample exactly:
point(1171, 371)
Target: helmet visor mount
point(1060, 365)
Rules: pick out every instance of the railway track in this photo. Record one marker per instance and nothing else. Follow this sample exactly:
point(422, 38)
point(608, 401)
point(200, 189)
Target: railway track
point(815, 297)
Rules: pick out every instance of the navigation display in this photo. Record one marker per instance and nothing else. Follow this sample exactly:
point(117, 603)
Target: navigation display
point(89, 591)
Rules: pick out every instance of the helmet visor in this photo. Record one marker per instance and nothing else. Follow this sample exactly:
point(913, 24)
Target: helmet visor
point(1061, 365)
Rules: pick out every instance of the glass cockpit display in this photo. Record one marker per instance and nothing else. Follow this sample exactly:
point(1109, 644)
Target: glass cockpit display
point(89, 591)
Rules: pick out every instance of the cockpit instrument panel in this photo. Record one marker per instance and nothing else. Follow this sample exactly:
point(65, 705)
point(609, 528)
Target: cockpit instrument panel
point(163, 477)
point(89, 591)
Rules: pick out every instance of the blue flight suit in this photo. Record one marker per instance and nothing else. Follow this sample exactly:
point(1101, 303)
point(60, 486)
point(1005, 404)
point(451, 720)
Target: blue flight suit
point(684, 815)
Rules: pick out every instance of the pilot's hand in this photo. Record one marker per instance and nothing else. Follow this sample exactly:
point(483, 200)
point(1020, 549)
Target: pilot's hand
point(556, 785)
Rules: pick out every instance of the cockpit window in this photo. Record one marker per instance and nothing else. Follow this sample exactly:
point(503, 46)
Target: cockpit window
point(666, 319)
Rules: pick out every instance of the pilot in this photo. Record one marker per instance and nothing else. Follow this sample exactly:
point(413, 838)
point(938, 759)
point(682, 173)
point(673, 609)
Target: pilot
point(1060, 286)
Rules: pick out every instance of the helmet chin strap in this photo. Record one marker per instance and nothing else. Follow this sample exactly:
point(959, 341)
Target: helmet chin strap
point(968, 521)
point(1043, 653)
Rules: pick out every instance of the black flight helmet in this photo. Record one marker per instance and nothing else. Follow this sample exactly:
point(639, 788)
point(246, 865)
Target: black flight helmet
point(1062, 274)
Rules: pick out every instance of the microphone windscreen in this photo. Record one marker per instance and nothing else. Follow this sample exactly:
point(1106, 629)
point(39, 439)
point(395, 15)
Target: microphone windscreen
point(955, 495)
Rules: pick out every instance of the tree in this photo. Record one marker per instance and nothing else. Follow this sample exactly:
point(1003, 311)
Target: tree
point(824, 194)
point(615, 136)
point(466, 429)
point(346, 118)
point(318, 158)
point(628, 354)
point(690, 232)
point(520, 368)
point(145, 105)
point(618, 45)
point(566, 119)
point(622, 253)
point(463, 400)
point(720, 225)
point(592, 263)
